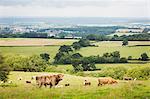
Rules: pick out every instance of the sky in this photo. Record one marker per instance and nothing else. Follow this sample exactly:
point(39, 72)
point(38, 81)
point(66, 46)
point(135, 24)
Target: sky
point(75, 8)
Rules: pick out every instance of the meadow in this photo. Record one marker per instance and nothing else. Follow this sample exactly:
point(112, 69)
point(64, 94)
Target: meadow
point(139, 89)
point(122, 90)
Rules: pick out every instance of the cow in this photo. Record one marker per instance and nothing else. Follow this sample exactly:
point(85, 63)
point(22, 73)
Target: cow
point(51, 80)
point(28, 81)
point(127, 78)
point(86, 83)
point(103, 81)
point(67, 84)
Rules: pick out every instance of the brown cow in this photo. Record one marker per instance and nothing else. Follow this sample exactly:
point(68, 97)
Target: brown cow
point(103, 81)
point(50, 80)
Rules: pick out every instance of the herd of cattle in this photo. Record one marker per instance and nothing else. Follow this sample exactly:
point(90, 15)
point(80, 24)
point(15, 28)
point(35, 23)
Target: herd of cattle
point(53, 80)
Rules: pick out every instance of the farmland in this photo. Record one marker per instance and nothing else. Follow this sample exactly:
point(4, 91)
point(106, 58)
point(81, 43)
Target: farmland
point(76, 90)
point(139, 89)
point(30, 48)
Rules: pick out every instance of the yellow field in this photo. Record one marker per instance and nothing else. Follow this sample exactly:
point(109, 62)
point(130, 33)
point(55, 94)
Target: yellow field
point(33, 42)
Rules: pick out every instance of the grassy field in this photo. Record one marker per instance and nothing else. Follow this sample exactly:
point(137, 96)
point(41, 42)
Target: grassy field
point(103, 47)
point(123, 90)
point(76, 90)
point(110, 46)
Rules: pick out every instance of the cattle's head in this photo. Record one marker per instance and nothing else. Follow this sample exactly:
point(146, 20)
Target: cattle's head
point(60, 77)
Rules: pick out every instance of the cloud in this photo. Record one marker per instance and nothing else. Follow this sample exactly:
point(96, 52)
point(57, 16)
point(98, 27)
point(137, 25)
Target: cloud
point(76, 8)
point(72, 3)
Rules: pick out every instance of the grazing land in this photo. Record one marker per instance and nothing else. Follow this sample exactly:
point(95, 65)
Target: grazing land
point(123, 90)
point(138, 89)
point(134, 49)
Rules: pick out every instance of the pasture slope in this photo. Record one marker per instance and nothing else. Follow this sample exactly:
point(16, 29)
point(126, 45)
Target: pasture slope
point(123, 90)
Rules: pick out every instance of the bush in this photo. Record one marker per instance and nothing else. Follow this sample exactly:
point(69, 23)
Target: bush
point(114, 72)
point(130, 58)
point(141, 73)
point(123, 60)
point(23, 63)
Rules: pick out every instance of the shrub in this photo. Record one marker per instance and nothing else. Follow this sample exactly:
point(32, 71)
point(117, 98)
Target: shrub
point(139, 72)
point(114, 72)
point(123, 60)
point(130, 58)
point(45, 56)
point(23, 63)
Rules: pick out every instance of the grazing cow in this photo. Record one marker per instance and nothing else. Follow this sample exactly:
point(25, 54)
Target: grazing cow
point(87, 83)
point(127, 78)
point(50, 80)
point(28, 81)
point(67, 84)
point(103, 81)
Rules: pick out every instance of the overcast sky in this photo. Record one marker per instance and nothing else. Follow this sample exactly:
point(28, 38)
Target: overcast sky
point(75, 8)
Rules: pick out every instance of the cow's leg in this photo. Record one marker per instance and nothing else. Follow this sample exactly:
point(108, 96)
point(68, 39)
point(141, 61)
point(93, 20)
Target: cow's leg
point(45, 85)
point(50, 85)
point(40, 85)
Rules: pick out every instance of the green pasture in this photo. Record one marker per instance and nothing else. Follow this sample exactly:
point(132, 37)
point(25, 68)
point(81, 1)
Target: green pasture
point(123, 90)
point(103, 47)
point(125, 51)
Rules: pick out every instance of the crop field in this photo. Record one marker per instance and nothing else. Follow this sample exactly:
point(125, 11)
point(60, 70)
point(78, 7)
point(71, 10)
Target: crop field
point(122, 90)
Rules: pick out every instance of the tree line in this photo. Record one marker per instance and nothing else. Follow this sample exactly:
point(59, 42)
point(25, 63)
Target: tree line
point(135, 37)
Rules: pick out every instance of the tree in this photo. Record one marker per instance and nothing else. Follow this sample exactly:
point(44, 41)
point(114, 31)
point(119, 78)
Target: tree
point(124, 42)
point(76, 55)
point(45, 56)
point(144, 57)
point(58, 56)
point(76, 46)
point(4, 70)
point(106, 55)
point(65, 48)
point(84, 42)
point(76, 63)
point(87, 65)
point(115, 54)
